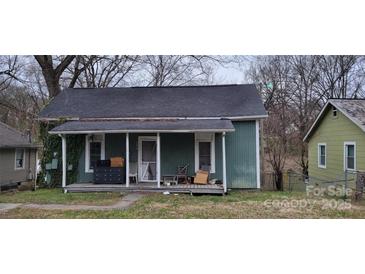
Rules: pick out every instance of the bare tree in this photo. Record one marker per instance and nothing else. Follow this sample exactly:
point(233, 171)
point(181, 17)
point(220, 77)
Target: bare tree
point(102, 71)
point(9, 68)
point(179, 70)
point(341, 76)
point(52, 70)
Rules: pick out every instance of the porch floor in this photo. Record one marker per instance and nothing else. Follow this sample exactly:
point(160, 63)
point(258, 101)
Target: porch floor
point(146, 187)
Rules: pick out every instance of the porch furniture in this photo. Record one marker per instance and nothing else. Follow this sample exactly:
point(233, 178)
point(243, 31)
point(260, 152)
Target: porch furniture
point(105, 174)
point(117, 162)
point(181, 173)
point(169, 180)
point(133, 172)
point(201, 177)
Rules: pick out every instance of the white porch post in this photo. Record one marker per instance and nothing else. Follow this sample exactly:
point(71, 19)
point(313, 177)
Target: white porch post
point(64, 161)
point(127, 159)
point(258, 165)
point(224, 161)
point(158, 166)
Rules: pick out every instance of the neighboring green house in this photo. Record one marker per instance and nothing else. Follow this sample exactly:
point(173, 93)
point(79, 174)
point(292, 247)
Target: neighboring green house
point(158, 129)
point(336, 140)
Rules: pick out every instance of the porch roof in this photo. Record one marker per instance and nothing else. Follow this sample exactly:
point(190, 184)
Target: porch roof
point(120, 126)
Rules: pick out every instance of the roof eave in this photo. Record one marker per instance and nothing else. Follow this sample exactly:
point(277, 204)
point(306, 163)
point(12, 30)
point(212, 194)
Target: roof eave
point(140, 131)
point(315, 122)
point(233, 118)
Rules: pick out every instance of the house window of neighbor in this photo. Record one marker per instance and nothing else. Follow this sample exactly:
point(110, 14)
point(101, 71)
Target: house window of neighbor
point(205, 151)
point(322, 155)
point(350, 156)
point(334, 111)
point(19, 158)
point(94, 151)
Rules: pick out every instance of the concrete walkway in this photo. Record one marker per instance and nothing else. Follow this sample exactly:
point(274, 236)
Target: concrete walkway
point(124, 203)
point(8, 206)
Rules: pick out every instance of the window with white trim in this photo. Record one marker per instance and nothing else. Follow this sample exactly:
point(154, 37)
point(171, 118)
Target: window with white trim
point(350, 155)
point(322, 153)
point(205, 151)
point(94, 150)
point(19, 158)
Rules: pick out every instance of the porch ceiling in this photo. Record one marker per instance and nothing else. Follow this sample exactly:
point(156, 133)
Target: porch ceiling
point(119, 126)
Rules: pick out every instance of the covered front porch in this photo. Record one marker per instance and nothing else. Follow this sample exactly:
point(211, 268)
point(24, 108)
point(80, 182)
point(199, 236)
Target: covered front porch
point(152, 150)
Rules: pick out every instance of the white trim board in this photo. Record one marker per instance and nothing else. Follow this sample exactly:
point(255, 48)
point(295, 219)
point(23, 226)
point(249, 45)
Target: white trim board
point(141, 131)
point(204, 137)
point(139, 161)
point(87, 152)
point(345, 154)
point(23, 167)
point(258, 167)
point(319, 156)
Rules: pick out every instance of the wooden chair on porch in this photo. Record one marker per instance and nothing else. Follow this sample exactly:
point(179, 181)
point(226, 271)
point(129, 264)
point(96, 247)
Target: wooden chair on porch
point(181, 175)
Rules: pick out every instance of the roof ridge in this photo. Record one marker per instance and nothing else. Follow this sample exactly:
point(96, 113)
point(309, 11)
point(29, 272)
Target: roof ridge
point(350, 99)
point(156, 87)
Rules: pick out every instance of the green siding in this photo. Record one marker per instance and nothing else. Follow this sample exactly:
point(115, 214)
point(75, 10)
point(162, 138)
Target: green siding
point(178, 149)
point(334, 131)
point(241, 155)
point(114, 145)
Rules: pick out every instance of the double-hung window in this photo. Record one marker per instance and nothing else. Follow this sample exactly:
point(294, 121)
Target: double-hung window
point(94, 150)
point(349, 155)
point(205, 151)
point(19, 158)
point(322, 155)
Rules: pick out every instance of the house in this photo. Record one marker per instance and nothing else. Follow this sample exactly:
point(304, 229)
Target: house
point(336, 140)
point(157, 129)
point(18, 157)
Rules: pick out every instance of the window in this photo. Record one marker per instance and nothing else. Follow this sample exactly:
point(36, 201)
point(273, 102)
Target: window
point(205, 151)
point(94, 150)
point(19, 158)
point(334, 111)
point(322, 155)
point(350, 156)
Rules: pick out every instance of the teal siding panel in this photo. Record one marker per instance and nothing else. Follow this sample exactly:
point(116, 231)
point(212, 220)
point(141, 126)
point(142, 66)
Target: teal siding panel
point(177, 149)
point(241, 155)
point(114, 145)
point(218, 158)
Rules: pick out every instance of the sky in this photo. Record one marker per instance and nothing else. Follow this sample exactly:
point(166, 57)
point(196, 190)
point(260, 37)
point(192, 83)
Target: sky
point(232, 73)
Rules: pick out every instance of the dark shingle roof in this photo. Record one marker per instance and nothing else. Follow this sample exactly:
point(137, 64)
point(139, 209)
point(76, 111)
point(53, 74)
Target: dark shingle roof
point(11, 138)
point(145, 125)
point(354, 109)
point(146, 102)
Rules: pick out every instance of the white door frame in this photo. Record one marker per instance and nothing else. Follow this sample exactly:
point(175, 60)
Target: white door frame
point(140, 140)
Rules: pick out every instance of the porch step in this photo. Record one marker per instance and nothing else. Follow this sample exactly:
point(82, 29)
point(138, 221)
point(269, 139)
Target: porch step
point(193, 189)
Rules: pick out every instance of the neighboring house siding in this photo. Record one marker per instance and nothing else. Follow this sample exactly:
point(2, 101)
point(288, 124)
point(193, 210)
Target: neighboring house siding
point(8, 173)
point(334, 131)
point(241, 155)
point(178, 149)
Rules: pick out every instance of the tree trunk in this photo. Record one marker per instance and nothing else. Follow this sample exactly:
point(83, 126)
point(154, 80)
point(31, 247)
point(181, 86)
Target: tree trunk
point(279, 180)
point(52, 75)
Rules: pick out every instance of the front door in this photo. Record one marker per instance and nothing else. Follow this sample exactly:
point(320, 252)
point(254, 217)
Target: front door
point(147, 158)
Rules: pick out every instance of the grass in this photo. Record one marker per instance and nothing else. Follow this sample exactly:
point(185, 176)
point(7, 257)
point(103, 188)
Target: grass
point(235, 205)
point(56, 196)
